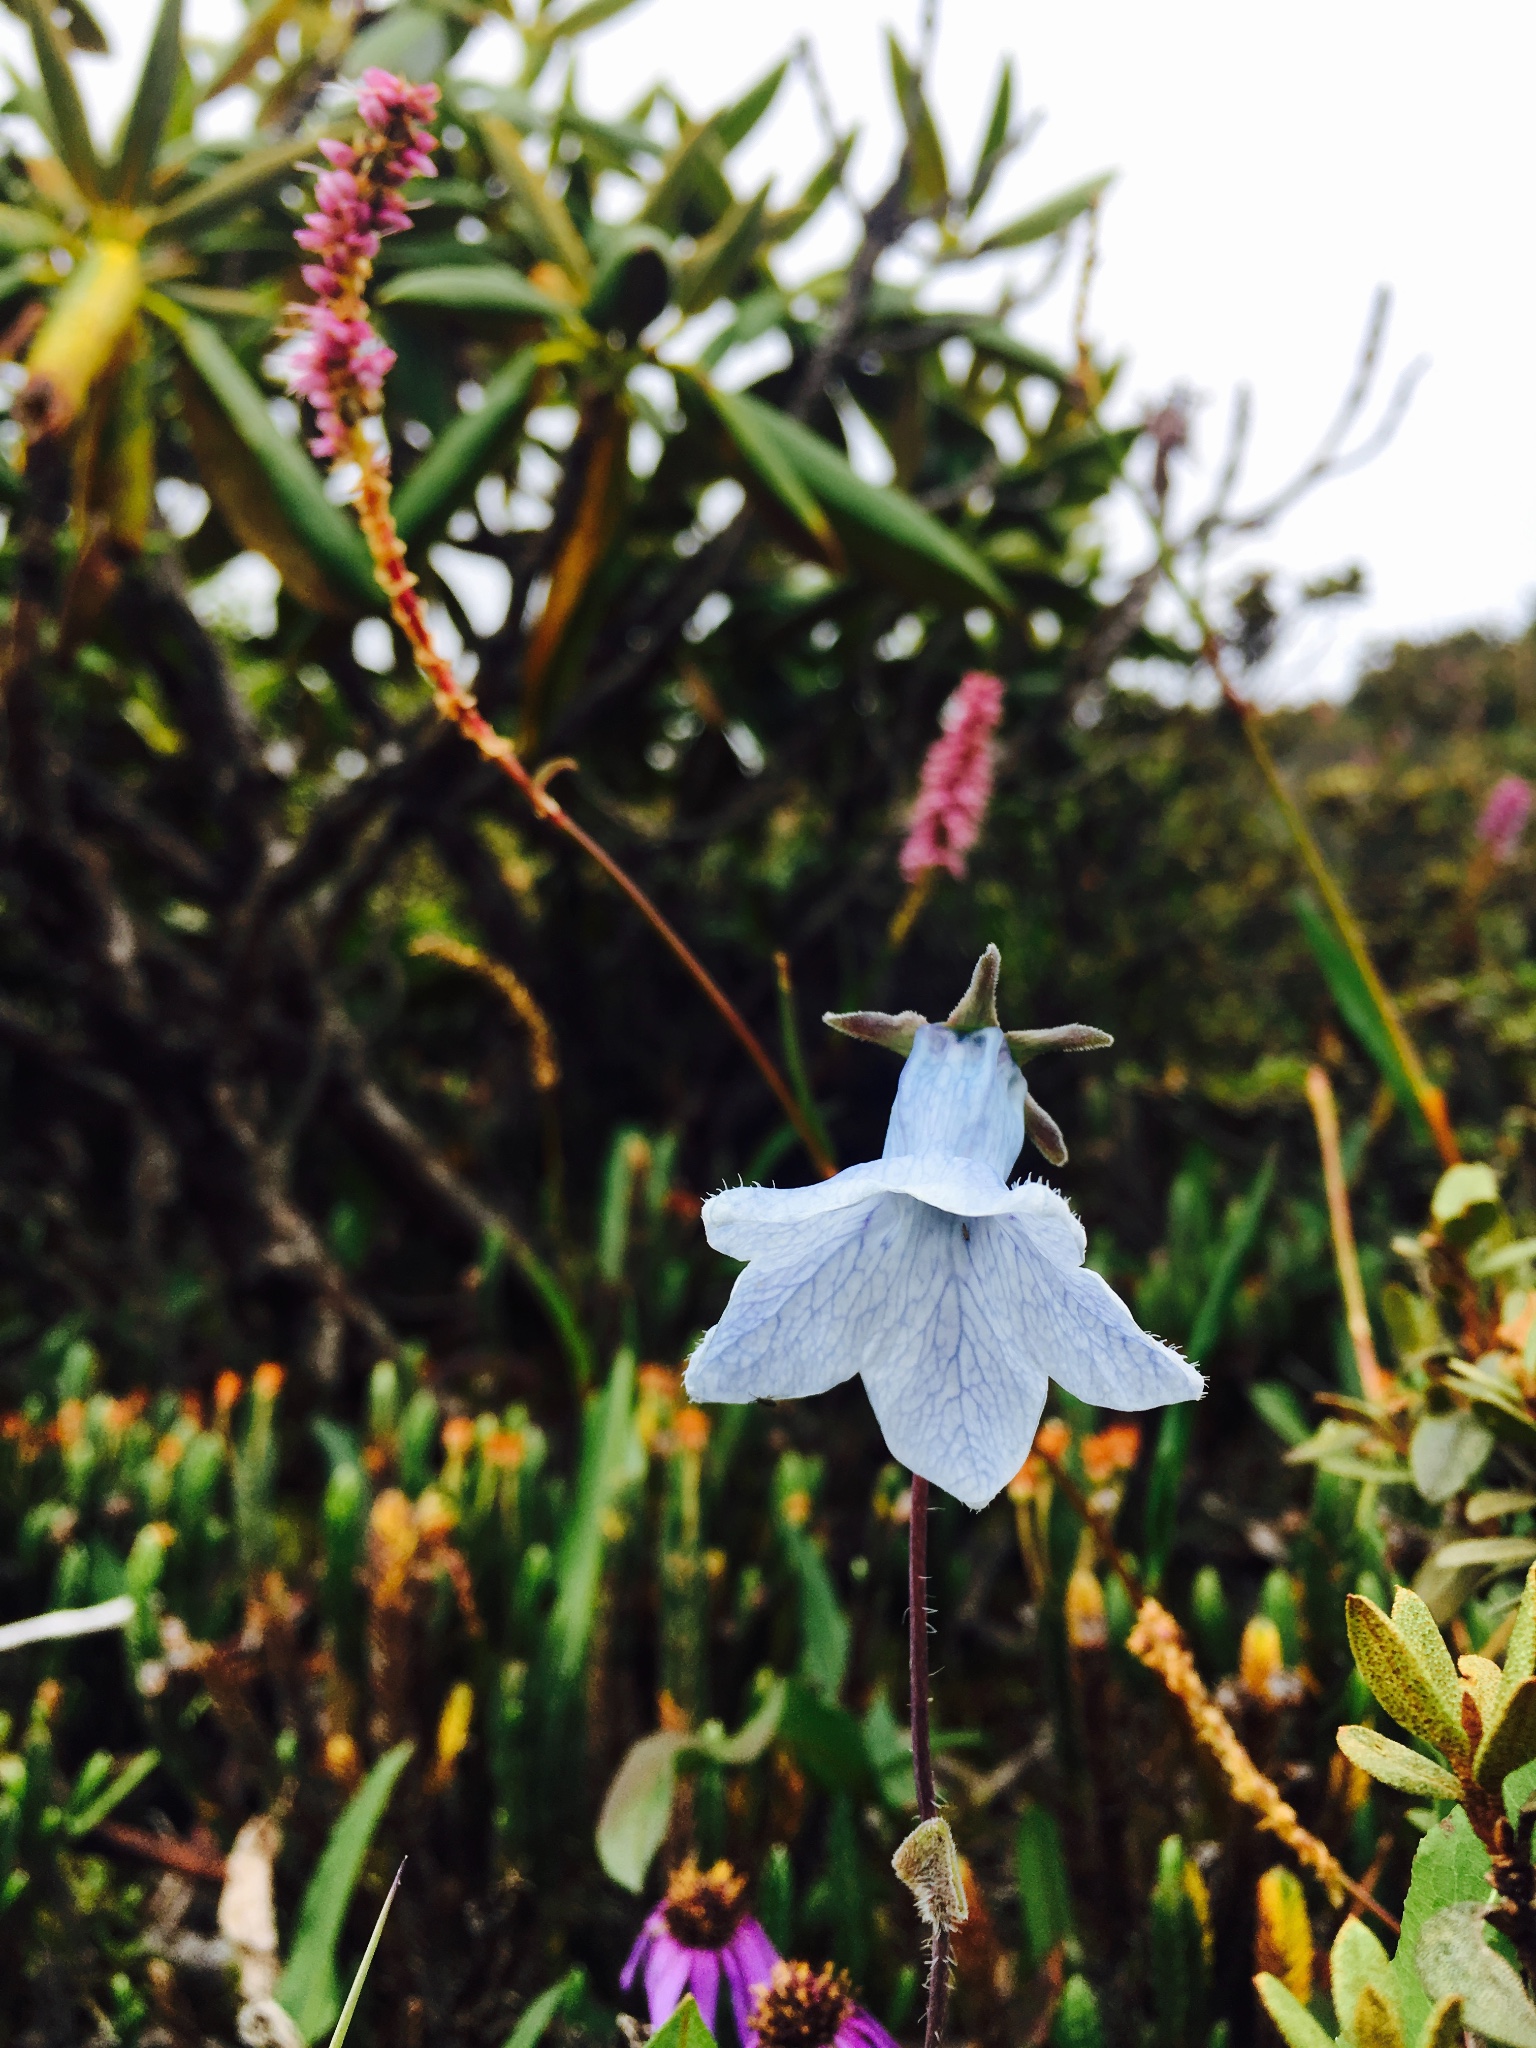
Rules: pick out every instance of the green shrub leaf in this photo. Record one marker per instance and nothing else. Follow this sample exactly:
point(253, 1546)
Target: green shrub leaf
point(1297, 2027)
point(1393, 1763)
point(1454, 1959)
point(1395, 1675)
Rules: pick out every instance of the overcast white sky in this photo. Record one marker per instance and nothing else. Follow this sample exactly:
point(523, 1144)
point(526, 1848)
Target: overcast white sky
point(1275, 166)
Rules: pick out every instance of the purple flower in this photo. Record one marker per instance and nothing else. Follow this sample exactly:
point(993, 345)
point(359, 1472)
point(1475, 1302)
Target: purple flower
point(804, 2008)
point(698, 1934)
point(1504, 817)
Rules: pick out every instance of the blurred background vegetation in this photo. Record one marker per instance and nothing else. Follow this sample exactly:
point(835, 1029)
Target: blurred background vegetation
point(355, 1132)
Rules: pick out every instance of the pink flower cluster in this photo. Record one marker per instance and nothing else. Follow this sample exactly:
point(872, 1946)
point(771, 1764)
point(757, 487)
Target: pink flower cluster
point(341, 363)
point(1504, 816)
point(956, 783)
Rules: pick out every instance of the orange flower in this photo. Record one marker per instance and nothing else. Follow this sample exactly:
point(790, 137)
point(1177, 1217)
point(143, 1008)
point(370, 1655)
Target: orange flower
point(1022, 1486)
point(70, 1422)
point(690, 1429)
point(1112, 1450)
point(227, 1389)
point(1053, 1440)
point(267, 1382)
point(458, 1436)
point(506, 1449)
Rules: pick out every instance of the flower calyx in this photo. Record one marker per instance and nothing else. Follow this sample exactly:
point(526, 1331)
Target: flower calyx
point(977, 1011)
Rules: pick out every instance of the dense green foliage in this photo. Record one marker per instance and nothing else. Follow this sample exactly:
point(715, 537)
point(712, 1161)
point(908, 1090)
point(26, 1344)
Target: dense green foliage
point(316, 1048)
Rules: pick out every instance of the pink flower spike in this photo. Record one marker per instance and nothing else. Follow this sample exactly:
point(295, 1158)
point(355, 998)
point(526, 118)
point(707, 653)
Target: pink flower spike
point(956, 784)
point(1504, 817)
point(341, 156)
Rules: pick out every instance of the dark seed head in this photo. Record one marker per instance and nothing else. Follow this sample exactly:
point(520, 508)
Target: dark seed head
point(703, 1908)
point(801, 2007)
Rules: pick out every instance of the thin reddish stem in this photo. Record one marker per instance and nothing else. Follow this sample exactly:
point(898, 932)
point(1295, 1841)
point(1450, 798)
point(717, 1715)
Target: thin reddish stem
point(457, 704)
point(922, 1741)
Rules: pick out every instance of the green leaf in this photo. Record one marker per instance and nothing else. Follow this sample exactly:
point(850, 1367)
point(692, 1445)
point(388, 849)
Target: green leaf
point(1357, 1006)
point(1359, 1964)
point(1277, 1405)
point(538, 2014)
point(1079, 2023)
point(1465, 1203)
point(543, 212)
point(204, 202)
point(608, 1456)
point(1445, 2027)
point(1454, 1960)
point(995, 143)
point(1486, 1550)
point(329, 536)
point(733, 124)
point(1050, 217)
point(1511, 1739)
point(71, 130)
point(753, 1736)
point(1393, 1763)
point(1447, 1451)
point(717, 263)
point(768, 463)
point(928, 176)
point(1422, 1633)
point(826, 1740)
point(21, 228)
point(129, 1778)
point(632, 284)
point(467, 448)
point(1520, 1657)
point(1297, 2027)
point(884, 529)
point(637, 1809)
point(1045, 1894)
point(545, 34)
point(1397, 1678)
point(473, 288)
point(1449, 1865)
point(360, 1978)
point(825, 1632)
point(410, 41)
point(145, 125)
point(1375, 2023)
point(685, 2029)
point(309, 1990)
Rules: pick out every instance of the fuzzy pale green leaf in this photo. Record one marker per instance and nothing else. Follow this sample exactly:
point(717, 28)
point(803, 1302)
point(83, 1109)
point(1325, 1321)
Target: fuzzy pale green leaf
point(1454, 1959)
point(1520, 1657)
point(1413, 1620)
point(1396, 1676)
point(1511, 1740)
point(1393, 1763)
point(1449, 1866)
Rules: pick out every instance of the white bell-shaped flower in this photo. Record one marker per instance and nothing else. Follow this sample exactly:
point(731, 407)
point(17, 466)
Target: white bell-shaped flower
point(955, 1296)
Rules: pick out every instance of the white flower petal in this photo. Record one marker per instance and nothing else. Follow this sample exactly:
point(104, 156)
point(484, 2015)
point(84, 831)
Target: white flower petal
point(1077, 1328)
point(764, 1223)
point(795, 1320)
point(957, 1397)
point(960, 1094)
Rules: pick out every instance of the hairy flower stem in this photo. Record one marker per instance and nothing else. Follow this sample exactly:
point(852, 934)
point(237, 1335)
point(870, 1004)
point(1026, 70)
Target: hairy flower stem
point(922, 1746)
point(457, 704)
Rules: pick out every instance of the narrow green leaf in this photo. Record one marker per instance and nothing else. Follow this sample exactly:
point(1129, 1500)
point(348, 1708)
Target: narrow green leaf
point(128, 1779)
point(1357, 1006)
point(733, 124)
point(145, 124)
point(717, 263)
point(473, 288)
point(338, 548)
point(343, 2025)
point(206, 201)
point(1421, 1631)
point(1454, 1960)
point(543, 211)
point(71, 130)
point(767, 461)
point(21, 228)
point(892, 534)
point(1520, 1657)
point(1045, 1893)
point(464, 452)
point(693, 163)
point(1450, 1864)
point(992, 338)
point(995, 143)
point(637, 1808)
point(540, 2012)
point(545, 34)
point(1486, 1550)
point(1395, 1675)
point(928, 176)
point(309, 1990)
point(754, 1734)
point(818, 189)
point(410, 41)
point(1511, 1740)
point(606, 1464)
point(1393, 1763)
point(1050, 217)
point(1297, 2027)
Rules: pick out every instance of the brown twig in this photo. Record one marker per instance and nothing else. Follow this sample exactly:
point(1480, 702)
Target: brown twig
point(166, 1850)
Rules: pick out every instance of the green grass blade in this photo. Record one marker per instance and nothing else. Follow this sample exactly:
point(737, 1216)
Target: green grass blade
point(363, 1967)
point(309, 1990)
point(538, 2014)
point(1357, 1006)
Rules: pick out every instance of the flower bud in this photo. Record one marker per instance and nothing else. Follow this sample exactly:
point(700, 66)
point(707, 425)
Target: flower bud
point(928, 1864)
